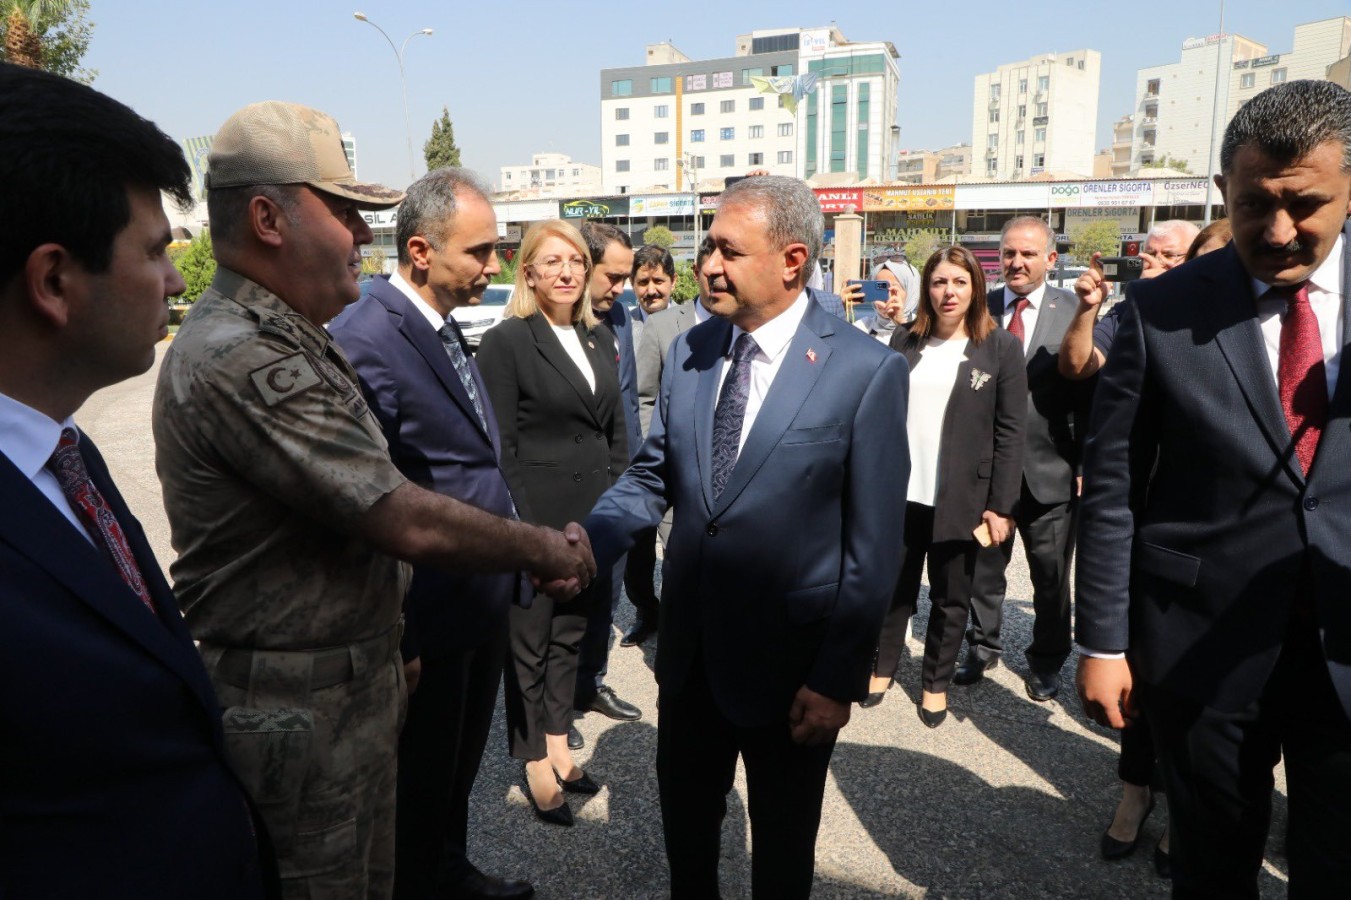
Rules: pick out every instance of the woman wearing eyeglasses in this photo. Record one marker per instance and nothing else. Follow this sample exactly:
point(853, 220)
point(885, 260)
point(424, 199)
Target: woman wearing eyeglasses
point(552, 375)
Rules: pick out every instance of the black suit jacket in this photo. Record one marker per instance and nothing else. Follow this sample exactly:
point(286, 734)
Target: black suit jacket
point(1057, 408)
point(981, 447)
point(437, 441)
point(113, 780)
point(562, 444)
point(1199, 531)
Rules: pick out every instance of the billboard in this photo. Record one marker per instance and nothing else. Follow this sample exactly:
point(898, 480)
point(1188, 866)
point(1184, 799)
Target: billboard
point(912, 197)
point(599, 208)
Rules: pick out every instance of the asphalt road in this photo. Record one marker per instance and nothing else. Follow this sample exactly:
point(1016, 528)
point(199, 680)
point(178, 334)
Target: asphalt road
point(1007, 799)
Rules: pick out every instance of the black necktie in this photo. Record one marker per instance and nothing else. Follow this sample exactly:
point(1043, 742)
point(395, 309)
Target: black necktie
point(450, 337)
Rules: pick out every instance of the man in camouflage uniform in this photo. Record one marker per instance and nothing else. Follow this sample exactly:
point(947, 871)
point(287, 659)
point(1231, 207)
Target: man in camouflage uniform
point(289, 517)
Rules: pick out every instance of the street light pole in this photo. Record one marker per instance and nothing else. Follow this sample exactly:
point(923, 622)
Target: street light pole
point(403, 81)
point(1215, 113)
point(692, 171)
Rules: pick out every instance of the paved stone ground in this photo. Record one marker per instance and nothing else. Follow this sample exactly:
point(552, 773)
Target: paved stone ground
point(1006, 800)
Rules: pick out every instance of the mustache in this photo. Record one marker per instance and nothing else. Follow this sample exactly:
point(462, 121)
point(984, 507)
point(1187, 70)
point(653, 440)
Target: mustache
point(718, 285)
point(1294, 246)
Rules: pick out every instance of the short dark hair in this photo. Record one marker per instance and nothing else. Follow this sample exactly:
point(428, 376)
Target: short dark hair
point(1288, 121)
point(431, 204)
point(599, 236)
point(68, 154)
point(650, 256)
point(979, 322)
point(705, 250)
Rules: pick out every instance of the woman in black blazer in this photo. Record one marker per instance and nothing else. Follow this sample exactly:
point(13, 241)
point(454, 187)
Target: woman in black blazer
point(552, 375)
point(965, 423)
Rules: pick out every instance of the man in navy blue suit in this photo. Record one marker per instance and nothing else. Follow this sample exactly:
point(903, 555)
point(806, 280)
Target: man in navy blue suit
point(775, 425)
point(424, 389)
point(114, 777)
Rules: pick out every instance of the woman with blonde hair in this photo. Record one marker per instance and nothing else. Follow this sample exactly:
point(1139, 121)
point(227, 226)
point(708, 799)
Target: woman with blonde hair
point(552, 375)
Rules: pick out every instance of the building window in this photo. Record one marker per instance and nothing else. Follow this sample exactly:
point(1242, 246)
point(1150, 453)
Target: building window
point(994, 116)
point(1043, 83)
point(1278, 76)
point(757, 103)
point(785, 157)
point(785, 129)
point(1018, 162)
point(696, 109)
point(1022, 85)
point(1043, 109)
point(727, 161)
point(726, 134)
point(1069, 61)
point(785, 69)
point(1039, 160)
point(661, 137)
point(697, 162)
point(994, 90)
point(697, 136)
point(621, 88)
point(727, 106)
point(1247, 80)
point(992, 140)
point(992, 165)
point(576, 173)
point(661, 165)
point(1152, 87)
point(1022, 112)
point(1040, 136)
point(621, 140)
point(747, 73)
point(757, 131)
point(661, 111)
point(1081, 65)
point(755, 159)
point(621, 165)
point(661, 85)
point(1017, 137)
point(621, 113)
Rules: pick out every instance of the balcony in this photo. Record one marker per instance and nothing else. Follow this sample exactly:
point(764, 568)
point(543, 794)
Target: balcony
point(992, 153)
point(1150, 121)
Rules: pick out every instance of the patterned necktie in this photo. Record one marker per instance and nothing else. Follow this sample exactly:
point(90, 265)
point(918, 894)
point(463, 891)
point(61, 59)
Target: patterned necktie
point(450, 337)
point(84, 498)
point(731, 412)
point(1016, 323)
point(1301, 374)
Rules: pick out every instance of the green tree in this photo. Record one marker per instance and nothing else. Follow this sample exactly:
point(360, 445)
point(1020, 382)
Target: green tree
point(440, 149)
point(374, 264)
point(1167, 162)
point(1102, 236)
point(197, 265)
point(51, 35)
point(922, 244)
point(686, 287)
point(508, 273)
point(659, 236)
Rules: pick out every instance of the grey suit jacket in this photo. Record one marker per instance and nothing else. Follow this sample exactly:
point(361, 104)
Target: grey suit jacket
point(658, 332)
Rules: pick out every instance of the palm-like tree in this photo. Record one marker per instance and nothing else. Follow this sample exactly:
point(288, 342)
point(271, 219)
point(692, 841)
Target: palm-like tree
point(25, 20)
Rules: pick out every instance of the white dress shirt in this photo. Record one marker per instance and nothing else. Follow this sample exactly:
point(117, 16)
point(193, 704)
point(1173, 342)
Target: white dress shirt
point(771, 341)
point(434, 318)
point(1029, 315)
point(29, 438)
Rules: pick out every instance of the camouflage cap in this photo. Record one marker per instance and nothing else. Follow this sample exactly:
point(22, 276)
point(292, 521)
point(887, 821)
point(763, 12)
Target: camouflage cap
point(283, 143)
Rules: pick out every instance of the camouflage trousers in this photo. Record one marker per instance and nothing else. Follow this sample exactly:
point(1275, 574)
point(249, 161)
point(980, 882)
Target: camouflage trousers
point(320, 762)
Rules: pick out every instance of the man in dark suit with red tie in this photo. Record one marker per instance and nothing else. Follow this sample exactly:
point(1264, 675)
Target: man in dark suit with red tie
point(421, 383)
point(1216, 527)
point(113, 780)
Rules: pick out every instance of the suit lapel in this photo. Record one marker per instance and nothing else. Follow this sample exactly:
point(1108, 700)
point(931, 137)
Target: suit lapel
point(1052, 307)
point(549, 347)
point(30, 525)
point(796, 377)
point(1339, 408)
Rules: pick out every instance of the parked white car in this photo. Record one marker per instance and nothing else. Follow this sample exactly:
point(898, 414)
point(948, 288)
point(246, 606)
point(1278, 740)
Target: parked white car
point(474, 320)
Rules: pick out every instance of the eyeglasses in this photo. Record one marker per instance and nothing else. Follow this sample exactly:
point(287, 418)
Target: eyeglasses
point(1170, 256)
point(553, 266)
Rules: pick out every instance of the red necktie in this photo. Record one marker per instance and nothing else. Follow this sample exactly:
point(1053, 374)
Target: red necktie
point(1301, 374)
point(1016, 323)
point(84, 498)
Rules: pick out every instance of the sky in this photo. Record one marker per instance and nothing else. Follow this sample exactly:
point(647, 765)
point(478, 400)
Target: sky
point(522, 77)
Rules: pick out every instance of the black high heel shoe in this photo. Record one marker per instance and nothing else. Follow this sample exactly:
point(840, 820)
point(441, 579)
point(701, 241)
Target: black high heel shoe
point(932, 718)
point(559, 815)
point(1162, 864)
point(875, 697)
point(580, 785)
point(1114, 849)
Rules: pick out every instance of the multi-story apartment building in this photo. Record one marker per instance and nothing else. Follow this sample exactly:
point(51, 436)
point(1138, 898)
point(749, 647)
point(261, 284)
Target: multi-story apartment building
point(791, 101)
point(349, 147)
point(928, 166)
point(550, 175)
point(1177, 110)
point(1037, 115)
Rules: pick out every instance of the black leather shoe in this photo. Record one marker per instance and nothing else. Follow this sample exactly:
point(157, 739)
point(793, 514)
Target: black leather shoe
point(607, 703)
point(559, 815)
point(973, 670)
point(932, 719)
point(478, 886)
point(642, 629)
point(1042, 686)
point(579, 785)
point(875, 697)
point(1114, 849)
point(575, 739)
point(1162, 864)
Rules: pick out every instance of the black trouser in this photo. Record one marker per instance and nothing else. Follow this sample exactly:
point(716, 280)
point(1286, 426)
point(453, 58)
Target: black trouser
point(1136, 764)
point(593, 659)
point(697, 751)
point(541, 676)
point(950, 566)
point(1048, 540)
point(639, 583)
point(1217, 769)
point(442, 742)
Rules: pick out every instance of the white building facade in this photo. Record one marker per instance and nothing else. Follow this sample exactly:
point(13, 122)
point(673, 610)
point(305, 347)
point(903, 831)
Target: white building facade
point(791, 101)
point(1037, 115)
point(550, 175)
point(1177, 111)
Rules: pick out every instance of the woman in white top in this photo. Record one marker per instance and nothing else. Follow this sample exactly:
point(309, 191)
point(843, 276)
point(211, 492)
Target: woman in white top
point(965, 423)
point(552, 375)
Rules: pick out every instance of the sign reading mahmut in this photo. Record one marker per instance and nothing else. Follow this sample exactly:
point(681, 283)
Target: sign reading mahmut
point(604, 208)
